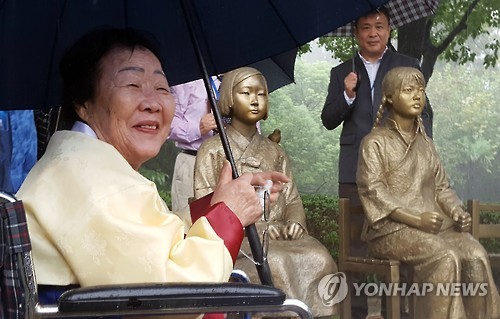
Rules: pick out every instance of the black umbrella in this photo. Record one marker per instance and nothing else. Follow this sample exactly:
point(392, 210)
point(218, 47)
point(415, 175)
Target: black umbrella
point(231, 33)
point(199, 38)
point(278, 69)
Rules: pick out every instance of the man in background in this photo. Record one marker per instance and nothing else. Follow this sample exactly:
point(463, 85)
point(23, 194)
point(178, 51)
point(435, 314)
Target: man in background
point(354, 93)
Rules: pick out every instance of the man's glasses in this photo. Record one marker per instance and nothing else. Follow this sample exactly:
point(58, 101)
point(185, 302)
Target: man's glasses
point(265, 232)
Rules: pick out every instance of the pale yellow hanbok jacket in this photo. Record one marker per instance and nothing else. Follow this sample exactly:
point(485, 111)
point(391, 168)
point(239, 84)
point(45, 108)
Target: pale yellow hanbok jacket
point(95, 220)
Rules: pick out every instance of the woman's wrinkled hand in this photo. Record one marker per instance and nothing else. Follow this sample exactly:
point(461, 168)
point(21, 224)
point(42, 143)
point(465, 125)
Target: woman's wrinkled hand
point(239, 194)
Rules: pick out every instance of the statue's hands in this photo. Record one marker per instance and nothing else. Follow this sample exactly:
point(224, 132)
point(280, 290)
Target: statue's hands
point(290, 231)
point(430, 222)
point(293, 230)
point(463, 220)
point(274, 232)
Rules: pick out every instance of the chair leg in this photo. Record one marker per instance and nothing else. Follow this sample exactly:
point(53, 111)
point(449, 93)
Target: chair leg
point(393, 303)
point(412, 309)
point(412, 299)
point(346, 305)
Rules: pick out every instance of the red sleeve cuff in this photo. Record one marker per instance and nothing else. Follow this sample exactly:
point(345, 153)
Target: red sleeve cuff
point(227, 226)
point(200, 207)
point(223, 221)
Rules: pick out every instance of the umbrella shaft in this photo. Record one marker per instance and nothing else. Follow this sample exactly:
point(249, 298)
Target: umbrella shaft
point(253, 238)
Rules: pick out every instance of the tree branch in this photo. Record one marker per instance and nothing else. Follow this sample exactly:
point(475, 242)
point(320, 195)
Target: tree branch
point(462, 25)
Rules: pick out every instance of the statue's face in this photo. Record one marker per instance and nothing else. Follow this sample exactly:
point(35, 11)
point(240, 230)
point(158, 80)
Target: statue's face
point(409, 101)
point(250, 98)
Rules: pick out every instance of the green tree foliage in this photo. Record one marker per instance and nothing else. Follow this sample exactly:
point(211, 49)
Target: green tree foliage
point(295, 109)
point(456, 22)
point(160, 169)
point(322, 220)
point(466, 128)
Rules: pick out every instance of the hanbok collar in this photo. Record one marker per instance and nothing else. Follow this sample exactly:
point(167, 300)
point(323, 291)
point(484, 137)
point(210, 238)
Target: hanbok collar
point(420, 130)
point(240, 138)
point(83, 128)
point(242, 143)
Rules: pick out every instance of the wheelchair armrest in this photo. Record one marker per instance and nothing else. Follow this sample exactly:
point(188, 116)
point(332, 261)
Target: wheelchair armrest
point(163, 295)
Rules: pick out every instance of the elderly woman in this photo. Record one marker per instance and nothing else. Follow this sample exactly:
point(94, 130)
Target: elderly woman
point(93, 218)
point(297, 260)
point(413, 214)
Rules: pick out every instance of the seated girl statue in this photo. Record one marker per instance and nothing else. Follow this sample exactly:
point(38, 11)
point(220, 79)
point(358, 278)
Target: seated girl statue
point(413, 214)
point(297, 260)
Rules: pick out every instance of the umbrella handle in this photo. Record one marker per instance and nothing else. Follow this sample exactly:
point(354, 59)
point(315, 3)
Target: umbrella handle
point(251, 231)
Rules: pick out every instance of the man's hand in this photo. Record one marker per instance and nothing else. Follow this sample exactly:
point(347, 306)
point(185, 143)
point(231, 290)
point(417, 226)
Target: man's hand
point(350, 82)
point(207, 123)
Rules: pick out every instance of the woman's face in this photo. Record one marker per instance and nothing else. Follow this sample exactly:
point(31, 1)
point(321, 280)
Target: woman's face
point(250, 99)
point(132, 108)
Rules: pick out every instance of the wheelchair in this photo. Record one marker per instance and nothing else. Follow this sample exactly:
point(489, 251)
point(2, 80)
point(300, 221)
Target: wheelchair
point(19, 297)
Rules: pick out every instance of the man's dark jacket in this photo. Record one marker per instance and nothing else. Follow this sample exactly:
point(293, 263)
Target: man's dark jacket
point(359, 117)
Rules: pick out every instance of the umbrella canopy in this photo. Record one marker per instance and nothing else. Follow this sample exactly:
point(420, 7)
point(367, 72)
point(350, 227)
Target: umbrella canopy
point(401, 12)
point(278, 69)
point(197, 38)
point(231, 33)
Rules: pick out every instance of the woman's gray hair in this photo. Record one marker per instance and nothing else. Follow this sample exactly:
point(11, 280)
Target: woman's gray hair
point(229, 81)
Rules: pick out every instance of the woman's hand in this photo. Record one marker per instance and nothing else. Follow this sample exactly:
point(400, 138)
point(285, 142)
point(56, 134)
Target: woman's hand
point(261, 178)
point(239, 194)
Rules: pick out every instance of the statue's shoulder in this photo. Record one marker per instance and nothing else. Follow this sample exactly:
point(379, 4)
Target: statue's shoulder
point(378, 135)
point(210, 145)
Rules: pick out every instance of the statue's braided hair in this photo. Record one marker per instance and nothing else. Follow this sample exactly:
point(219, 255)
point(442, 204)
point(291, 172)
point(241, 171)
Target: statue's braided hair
point(392, 83)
